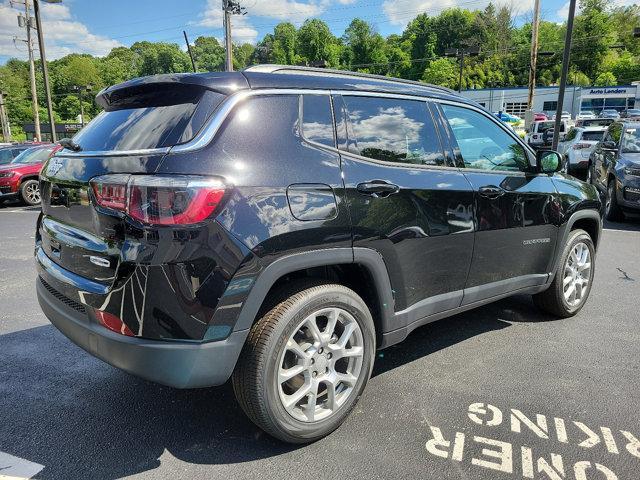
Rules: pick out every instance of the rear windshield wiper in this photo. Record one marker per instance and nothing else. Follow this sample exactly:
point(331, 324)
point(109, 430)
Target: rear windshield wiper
point(70, 144)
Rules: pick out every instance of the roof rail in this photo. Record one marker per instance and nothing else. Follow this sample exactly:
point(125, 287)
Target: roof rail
point(274, 68)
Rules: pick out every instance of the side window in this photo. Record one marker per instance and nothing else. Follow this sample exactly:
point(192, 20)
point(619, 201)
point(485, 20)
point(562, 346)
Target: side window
point(393, 130)
point(483, 144)
point(317, 121)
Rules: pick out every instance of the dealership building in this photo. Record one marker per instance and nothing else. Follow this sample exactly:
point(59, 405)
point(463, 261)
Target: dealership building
point(545, 100)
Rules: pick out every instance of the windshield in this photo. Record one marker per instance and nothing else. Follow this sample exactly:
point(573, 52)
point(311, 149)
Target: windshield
point(592, 136)
point(148, 123)
point(33, 155)
point(630, 141)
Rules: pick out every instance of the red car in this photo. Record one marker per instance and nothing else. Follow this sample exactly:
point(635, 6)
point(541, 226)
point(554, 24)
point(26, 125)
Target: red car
point(19, 179)
point(539, 117)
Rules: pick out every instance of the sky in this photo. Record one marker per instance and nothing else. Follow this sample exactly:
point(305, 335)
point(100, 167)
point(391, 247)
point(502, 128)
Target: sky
point(95, 27)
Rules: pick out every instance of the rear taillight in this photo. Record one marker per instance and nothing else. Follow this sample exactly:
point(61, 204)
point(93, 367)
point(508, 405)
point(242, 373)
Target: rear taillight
point(160, 200)
point(113, 323)
point(580, 146)
point(111, 191)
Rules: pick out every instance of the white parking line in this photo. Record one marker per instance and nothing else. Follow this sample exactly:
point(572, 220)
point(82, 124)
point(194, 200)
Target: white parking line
point(15, 468)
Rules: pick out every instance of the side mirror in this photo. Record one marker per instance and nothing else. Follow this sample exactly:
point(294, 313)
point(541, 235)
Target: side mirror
point(609, 145)
point(548, 161)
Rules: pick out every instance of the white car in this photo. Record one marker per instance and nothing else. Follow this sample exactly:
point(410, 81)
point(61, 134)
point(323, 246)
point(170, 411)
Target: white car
point(576, 148)
point(564, 116)
point(541, 133)
point(586, 115)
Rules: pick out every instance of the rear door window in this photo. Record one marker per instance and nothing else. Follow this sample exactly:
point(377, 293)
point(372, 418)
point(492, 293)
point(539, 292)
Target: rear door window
point(161, 118)
point(392, 130)
point(317, 121)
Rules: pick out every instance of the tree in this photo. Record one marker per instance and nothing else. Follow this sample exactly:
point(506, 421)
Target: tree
point(160, 57)
point(605, 79)
point(364, 48)
point(316, 43)
point(242, 55)
point(208, 54)
point(283, 45)
point(441, 72)
point(593, 35)
point(421, 39)
point(626, 69)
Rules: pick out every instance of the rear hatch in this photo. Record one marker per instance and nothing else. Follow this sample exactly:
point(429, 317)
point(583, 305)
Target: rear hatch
point(140, 122)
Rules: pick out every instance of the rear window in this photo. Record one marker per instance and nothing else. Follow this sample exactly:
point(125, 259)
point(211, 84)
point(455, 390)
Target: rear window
point(592, 136)
point(33, 155)
point(149, 120)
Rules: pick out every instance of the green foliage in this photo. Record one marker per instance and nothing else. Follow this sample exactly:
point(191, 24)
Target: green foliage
point(417, 54)
point(364, 49)
point(441, 72)
point(605, 79)
point(208, 54)
point(316, 43)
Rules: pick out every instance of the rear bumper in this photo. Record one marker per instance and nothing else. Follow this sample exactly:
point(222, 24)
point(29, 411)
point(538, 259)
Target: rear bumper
point(179, 364)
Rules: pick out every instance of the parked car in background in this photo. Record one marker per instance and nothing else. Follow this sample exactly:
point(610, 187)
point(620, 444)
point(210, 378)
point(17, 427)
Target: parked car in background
point(539, 117)
point(594, 122)
point(609, 113)
point(631, 114)
point(585, 115)
point(541, 133)
point(19, 179)
point(10, 151)
point(311, 220)
point(615, 165)
point(566, 116)
point(507, 117)
point(577, 147)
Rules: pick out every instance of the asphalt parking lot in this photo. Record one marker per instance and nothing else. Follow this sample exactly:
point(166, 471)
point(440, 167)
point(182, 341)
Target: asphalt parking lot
point(501, 392)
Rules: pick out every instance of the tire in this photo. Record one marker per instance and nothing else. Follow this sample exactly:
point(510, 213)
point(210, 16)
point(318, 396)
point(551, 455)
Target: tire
point(268, 350)
point(553, 300)
point(30, 192)
point(612, 211)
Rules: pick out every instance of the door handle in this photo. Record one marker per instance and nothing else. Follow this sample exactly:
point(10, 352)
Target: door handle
point(491, 191)
point(377, 188)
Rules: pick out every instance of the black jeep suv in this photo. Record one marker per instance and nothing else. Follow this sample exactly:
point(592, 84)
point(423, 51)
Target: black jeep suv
point(276, 226)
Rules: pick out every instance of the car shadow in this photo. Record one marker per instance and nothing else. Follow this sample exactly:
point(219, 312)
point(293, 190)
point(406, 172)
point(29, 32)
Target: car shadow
point(81, 418)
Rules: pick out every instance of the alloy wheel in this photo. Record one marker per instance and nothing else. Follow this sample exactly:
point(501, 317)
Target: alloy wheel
point(32, 192)
point(320, 365)
point(577, 274)
point(610, 193)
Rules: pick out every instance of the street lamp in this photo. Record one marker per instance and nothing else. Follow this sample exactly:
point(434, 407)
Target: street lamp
point(80, 89)
point(43, 61)
point(460, 53)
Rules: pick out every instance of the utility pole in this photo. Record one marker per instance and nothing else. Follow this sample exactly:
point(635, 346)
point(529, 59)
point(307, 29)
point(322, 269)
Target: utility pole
point(566, 57)
point(45, 72)
point(461, 70)
point(193, 63)
point(227, 36)
point(26, 22)
point(230, 7)
point(534, 61)
point(4, 120)
point(460, 53)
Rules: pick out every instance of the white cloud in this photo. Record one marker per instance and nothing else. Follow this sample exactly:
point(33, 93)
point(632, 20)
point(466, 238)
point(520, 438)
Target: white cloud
point(289, 10)
point(63, 34)
point(400, 12)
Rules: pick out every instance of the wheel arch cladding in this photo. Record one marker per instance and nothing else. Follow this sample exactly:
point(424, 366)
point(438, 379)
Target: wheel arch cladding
point(582, 218)
point(360, 269)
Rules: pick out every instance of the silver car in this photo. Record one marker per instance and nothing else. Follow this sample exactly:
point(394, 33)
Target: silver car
point(576, 148)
